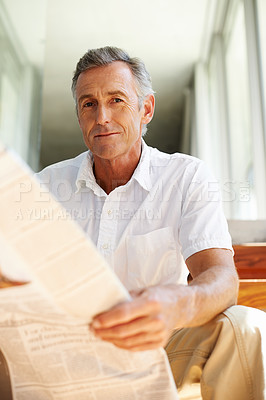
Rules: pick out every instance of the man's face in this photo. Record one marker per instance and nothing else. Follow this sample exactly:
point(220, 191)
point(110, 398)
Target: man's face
point(108, 110)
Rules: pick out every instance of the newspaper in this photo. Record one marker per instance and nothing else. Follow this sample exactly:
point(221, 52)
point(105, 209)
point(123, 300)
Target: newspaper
point(38, 236)
point(46, 348)
point(51, 355)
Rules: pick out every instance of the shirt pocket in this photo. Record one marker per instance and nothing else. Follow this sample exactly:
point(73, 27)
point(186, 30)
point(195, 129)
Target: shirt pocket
point(152, 259)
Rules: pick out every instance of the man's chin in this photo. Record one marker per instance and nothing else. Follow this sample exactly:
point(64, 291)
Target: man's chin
point(107, 151)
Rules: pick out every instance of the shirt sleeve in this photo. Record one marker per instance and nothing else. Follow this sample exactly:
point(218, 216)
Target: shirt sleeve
point(203, 223)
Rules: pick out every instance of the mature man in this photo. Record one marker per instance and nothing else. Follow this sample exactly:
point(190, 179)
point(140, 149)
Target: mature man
point(147, 212)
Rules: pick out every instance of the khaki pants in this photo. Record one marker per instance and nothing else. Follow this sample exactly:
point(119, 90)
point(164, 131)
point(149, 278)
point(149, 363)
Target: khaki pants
point(227, 355)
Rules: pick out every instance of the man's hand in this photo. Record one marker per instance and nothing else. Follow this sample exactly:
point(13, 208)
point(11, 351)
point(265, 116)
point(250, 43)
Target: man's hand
point(144, 323)
point(148, 320)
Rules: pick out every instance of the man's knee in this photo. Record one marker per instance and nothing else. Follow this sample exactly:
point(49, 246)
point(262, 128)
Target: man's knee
point(249, 330)
point(246, 320)
point(238, 330)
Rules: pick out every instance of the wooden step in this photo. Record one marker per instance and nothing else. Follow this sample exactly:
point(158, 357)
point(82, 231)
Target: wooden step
point(252, 293)
point(250, 260)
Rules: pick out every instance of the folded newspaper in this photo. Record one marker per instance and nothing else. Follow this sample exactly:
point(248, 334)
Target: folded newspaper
point(46, 348)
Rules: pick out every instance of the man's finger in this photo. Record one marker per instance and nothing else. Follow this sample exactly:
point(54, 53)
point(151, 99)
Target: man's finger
point(126, 312)
point(139, 325)
point(143, 341)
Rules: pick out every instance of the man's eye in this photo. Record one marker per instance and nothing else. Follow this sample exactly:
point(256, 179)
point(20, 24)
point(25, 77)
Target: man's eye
point(117, 100)
point(88, 104)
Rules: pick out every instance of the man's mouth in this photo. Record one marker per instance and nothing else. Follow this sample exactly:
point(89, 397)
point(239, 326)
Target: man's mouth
point(105, 134)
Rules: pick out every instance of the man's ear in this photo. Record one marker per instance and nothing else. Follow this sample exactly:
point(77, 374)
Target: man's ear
point(148, 108)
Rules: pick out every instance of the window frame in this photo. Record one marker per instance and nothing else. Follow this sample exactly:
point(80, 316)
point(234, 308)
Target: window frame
point(224, 17)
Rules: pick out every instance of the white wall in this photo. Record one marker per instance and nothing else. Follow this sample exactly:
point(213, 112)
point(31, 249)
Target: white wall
point(20, 80)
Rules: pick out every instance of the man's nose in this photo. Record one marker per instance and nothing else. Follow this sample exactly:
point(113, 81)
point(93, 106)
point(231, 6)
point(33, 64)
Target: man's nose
point(103, 115)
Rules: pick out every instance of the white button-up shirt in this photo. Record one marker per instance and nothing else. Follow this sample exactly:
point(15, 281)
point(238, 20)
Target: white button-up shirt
point(169, 210)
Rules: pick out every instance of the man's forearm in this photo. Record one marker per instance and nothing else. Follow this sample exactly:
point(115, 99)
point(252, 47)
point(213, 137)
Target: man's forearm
point(214, 286)
point(210, 293)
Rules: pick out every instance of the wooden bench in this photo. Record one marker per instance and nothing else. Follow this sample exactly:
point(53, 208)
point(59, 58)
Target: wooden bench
point(250, 260)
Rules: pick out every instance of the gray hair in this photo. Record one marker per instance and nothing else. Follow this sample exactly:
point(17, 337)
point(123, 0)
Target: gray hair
point(106, 55)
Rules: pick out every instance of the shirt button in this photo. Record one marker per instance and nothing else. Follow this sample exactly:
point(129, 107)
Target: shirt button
point(105, 246)
point(109, 212)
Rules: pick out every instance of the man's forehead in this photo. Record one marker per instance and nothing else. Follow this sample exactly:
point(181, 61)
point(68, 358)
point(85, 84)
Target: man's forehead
point(114, 76)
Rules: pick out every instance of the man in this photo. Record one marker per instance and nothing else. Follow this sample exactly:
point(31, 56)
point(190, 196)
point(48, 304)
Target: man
point(147, 211)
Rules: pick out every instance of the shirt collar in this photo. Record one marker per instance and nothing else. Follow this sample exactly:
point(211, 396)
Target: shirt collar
point(85, 176)
point(142, 172)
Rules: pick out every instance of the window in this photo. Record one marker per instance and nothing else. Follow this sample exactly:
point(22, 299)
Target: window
point(236, 113)
point(238, 97)
point(261, 13)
